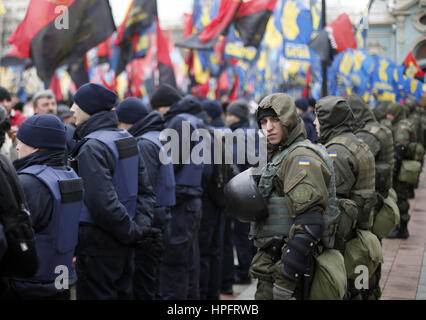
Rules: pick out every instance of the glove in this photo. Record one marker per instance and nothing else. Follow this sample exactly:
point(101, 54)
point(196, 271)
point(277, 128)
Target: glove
point(152, 238)
point(281, 293)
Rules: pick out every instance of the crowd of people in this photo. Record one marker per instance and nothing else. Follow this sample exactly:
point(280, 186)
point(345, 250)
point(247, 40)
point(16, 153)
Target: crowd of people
point(92, 204)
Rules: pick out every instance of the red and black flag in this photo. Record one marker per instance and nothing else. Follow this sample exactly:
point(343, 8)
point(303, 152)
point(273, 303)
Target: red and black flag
point(165, 65)
point(412, 69)
point(334, 38)
point(250, 18)
point(139, 18)
point(54, 33)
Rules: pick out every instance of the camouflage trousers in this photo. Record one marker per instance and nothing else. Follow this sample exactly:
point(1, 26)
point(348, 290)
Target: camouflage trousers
point(267, 269)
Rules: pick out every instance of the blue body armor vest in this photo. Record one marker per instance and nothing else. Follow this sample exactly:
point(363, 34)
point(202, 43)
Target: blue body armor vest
point(56, 244)
point(190, 174)
point(125, 178)
point(165, 184)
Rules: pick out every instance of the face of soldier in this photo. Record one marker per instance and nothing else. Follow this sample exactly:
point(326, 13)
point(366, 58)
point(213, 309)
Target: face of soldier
point(317, 126)
point(390, 117)
point(24, 150)
point(79, 115)
point(272, 129)
point(45, 106)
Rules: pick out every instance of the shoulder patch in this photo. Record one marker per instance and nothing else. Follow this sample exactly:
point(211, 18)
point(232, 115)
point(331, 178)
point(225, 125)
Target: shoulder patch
point(333, 154)
point(301, 193)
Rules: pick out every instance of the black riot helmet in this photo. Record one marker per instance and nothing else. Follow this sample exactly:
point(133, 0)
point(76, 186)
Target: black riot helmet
point(243, 199)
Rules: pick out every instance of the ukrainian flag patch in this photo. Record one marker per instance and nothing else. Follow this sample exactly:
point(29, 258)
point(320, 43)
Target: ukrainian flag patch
point(333, 154)
point(304, 162)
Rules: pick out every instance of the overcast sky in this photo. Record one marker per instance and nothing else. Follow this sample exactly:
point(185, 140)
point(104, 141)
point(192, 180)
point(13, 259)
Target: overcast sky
point(168, 10)
point(173, 10)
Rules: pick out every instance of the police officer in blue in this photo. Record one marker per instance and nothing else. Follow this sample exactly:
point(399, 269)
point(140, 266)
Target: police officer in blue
point(237, 118)
point(213, 217)
point(119, 198)
point(179, 275)
point(54, 194)
point(146, 127)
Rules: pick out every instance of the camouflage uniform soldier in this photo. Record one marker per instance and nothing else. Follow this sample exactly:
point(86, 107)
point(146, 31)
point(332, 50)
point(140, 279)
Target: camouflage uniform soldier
point(381, 111)
point(379, 139)
point(355, 180)
point(295, 186)
point(413, 113)
point(405, 149)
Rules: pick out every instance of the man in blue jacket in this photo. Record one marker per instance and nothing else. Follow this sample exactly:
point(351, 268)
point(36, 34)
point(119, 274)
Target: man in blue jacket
point(134, 116)
point(119, 199)
point(54, 195)
point(308, 117)
point(180, 270)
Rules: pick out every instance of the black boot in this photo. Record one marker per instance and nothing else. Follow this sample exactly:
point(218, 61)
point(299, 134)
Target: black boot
point(401, 232)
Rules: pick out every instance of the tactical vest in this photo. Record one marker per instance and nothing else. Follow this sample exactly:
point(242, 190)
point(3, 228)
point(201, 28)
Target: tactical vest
point(56, 243)
point(126, 171)
point(190, 174)
point(384, 161)
point(363, 191)
point(279, 222)
point(165, 184)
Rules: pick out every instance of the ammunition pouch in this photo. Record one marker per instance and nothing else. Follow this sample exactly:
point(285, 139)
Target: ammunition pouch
point(347, 223)
point(383, 178)
point(420, 152)
point(365, 201)
point(409, 171)
point(386, 219)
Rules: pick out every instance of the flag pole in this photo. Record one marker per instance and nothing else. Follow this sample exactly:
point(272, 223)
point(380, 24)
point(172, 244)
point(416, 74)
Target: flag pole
point(324, 64)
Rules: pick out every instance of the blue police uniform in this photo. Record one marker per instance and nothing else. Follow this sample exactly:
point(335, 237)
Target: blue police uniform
point(54, 194)
point(147, 261)
point(119, 199)
point(179, 275)
point(211, 228)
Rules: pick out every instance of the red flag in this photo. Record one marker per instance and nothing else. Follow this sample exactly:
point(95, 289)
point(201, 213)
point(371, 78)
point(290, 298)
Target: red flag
point(413, 68)
point(165, 66)
point(55, 86)
point(235, 89)
point(305, 92)
point(341, 33)
point(187, 22)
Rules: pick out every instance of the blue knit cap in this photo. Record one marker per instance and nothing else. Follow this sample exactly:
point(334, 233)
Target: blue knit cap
point(131, 110)
point(93, 98)
point(212, 107)
point(43, 131)
point(302, 104)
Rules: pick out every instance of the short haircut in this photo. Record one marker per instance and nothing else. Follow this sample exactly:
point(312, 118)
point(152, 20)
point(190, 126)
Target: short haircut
point(43, 94)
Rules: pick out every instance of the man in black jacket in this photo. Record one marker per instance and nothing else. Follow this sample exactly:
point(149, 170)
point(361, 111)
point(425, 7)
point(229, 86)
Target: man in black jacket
point(134, 116)
point(119, 198)
point(180, 269)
